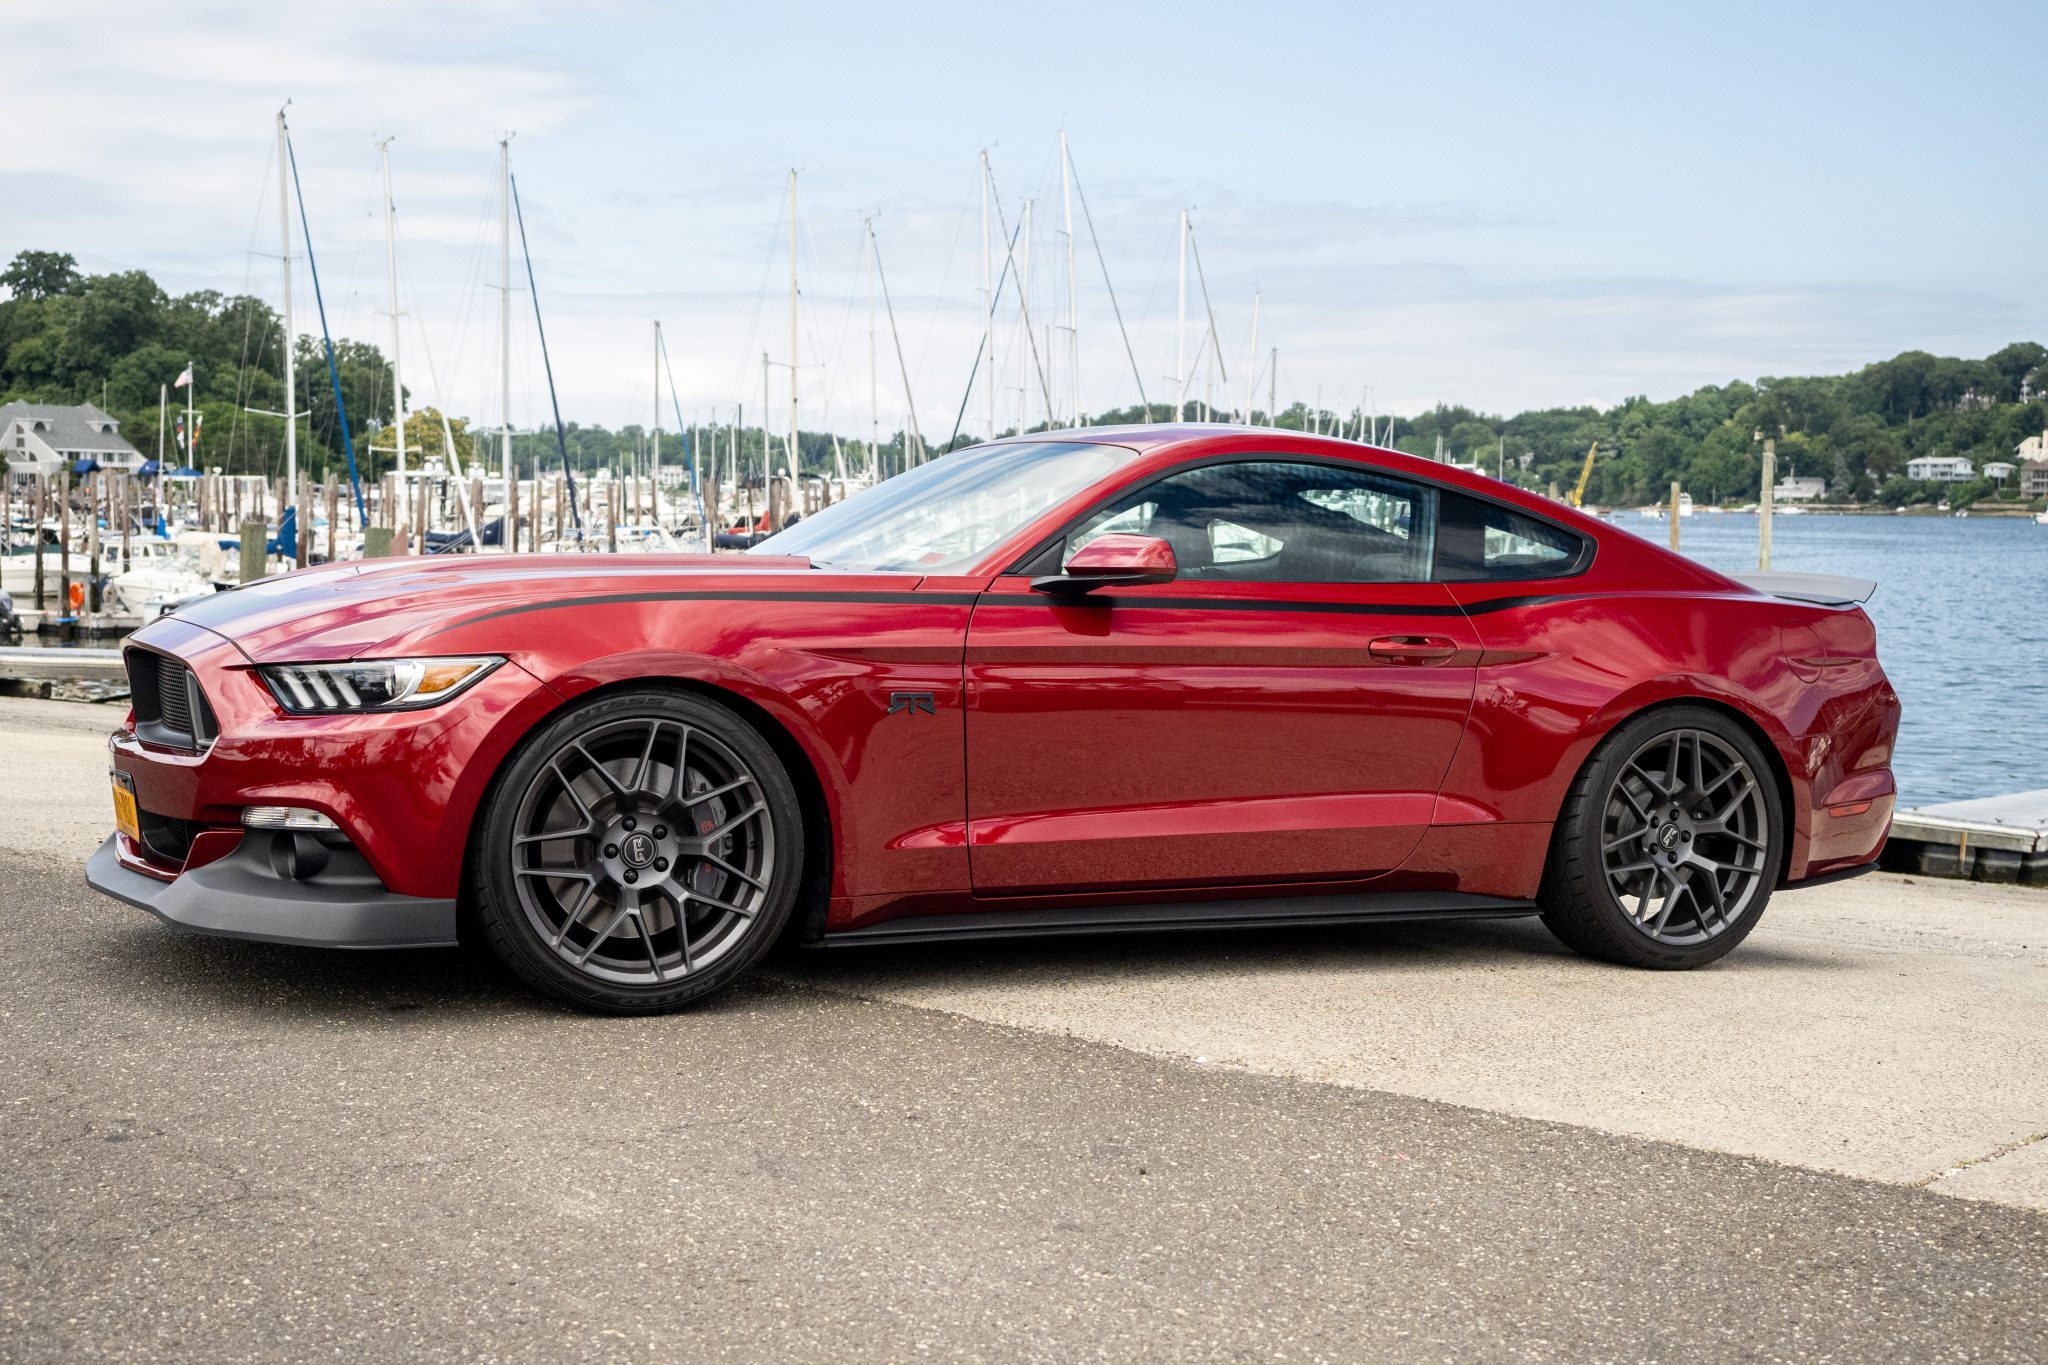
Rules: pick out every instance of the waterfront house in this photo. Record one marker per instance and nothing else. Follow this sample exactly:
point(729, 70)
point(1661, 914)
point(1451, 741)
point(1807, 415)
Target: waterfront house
point(1998, 471)
point(2034, 479)
point(1941, 469)
point(2033, 448)
point(1790, 489)
point(45, 438)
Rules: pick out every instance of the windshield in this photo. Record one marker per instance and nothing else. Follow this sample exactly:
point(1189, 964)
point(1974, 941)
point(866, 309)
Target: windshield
point(942, 516)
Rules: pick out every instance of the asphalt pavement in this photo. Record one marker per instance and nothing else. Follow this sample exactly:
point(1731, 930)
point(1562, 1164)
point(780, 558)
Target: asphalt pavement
point(1439, 1142)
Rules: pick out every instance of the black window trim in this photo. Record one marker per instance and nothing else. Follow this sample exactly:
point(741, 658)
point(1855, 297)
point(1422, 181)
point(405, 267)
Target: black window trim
point(1031, 561)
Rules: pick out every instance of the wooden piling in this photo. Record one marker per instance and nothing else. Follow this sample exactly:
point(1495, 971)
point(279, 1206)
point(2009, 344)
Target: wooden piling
point(1763, 508)
point(64, 542)
point(255, 558)
point(42, 515)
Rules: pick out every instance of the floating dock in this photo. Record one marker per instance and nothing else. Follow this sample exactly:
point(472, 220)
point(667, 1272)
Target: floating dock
point(1990, 839)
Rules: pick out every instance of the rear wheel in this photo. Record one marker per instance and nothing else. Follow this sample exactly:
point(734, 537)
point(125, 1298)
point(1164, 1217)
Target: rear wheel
point(1669, 843)
point(641, 851)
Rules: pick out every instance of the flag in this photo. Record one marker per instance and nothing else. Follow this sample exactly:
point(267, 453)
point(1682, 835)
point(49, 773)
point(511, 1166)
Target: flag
point(178, 430)
point(183, 379)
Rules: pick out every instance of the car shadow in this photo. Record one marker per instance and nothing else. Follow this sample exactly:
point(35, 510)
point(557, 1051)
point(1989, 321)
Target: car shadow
point(1487, 945)
point(225, 975)
point(235, 976)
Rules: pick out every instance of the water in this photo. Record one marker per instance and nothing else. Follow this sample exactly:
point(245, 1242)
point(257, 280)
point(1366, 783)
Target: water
point(1962, 630)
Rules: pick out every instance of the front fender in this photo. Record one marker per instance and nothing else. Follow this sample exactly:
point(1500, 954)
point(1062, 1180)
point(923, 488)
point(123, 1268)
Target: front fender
point(705, 672)
point(820, 666)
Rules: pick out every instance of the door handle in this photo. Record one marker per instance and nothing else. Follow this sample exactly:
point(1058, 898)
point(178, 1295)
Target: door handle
point(1412, 649)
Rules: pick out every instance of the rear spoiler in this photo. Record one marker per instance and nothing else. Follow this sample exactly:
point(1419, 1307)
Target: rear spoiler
point(1822, 589)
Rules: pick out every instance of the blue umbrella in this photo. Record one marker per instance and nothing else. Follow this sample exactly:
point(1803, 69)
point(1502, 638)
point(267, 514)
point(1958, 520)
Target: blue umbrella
point(86, 465)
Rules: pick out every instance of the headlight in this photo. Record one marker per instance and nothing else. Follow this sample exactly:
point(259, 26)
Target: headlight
point(373, 684)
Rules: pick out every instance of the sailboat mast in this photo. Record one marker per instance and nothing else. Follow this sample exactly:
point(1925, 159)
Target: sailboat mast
point(508, 533)
point(1073, 285)
point(1251, 369)
point(913, 439)
point(988, 299)
point(291, 386)
point(767, 444)
point(1022, 264)
point(1180, 329)
point(874, 380)
point(654, 462)
point(795, 483)
point(391, 283)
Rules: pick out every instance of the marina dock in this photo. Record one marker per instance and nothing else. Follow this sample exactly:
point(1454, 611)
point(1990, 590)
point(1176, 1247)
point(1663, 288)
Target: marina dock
point(35, 664)
point(1990, 839)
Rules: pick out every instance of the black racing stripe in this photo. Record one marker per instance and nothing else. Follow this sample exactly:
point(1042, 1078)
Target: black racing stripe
point(967, 599)
point(1228, 604)
point(941, 599)
point(1509, 603)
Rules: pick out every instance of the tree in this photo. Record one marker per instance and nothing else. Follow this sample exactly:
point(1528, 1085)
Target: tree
point(1472, 439)
point(116, 315)
point(2013, 364)
point(41, 274)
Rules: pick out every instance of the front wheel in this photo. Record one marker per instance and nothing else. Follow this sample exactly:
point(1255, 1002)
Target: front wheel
point(640, 851)
point(1669, 843)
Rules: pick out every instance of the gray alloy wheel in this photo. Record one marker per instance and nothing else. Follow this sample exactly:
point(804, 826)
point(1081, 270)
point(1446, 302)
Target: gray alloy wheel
point(1683, 836)
point(1669, 843)
point(639, 852)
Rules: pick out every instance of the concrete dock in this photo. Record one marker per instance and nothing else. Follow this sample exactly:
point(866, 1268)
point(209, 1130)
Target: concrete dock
point(1407, 1142)
point(35, 663)
point(1993, 839)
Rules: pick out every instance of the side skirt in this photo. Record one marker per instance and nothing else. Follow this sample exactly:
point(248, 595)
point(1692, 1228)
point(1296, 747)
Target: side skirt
point(1280, 912)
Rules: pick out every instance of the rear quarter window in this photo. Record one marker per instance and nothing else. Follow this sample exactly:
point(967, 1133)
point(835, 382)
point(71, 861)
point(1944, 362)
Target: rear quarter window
point(1480, 541)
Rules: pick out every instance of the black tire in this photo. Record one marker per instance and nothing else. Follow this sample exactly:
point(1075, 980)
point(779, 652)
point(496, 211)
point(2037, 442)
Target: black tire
point(614, 791)
point(1631, 875)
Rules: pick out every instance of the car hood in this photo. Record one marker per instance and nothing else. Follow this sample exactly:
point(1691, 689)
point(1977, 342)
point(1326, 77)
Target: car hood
point(346, 611)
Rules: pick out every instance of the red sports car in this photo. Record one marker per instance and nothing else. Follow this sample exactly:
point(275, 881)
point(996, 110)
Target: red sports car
point(1116, 679)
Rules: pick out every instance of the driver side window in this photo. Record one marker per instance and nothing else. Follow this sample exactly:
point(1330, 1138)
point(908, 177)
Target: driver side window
point(1277, 521)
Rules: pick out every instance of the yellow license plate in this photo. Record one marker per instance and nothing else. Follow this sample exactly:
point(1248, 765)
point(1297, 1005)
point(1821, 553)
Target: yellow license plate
point(125, 818)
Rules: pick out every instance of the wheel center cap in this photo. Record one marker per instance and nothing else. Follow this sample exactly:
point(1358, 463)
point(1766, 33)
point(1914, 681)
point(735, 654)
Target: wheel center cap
point(636, 850)
point(1669, 838)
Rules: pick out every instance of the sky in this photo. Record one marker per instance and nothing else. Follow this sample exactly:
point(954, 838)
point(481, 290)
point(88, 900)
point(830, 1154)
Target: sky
point(1507, 206)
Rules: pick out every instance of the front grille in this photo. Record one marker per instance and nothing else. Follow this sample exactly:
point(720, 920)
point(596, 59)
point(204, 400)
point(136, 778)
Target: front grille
point(173, 693)
point(170, 708)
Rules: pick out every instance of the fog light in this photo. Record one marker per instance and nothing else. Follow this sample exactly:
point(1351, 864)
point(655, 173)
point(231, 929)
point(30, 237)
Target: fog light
point(287, 817)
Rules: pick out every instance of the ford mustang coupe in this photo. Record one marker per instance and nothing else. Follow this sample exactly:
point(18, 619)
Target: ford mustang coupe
point(1116, 679)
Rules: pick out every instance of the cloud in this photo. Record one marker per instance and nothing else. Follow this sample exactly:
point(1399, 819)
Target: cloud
point(142, 137)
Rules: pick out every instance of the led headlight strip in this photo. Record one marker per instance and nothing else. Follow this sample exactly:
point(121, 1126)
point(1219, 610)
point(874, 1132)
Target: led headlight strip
point(373, 684)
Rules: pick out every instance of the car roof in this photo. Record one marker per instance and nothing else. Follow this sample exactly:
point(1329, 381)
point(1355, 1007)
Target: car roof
point(1230, 438)
point(1148, 436)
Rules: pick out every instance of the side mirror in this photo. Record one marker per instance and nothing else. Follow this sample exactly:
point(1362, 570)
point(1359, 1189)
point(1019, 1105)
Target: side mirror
point(1113, 561)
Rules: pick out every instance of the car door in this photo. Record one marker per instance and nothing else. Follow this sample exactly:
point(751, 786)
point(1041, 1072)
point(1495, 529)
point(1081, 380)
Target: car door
point(1283, 711)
